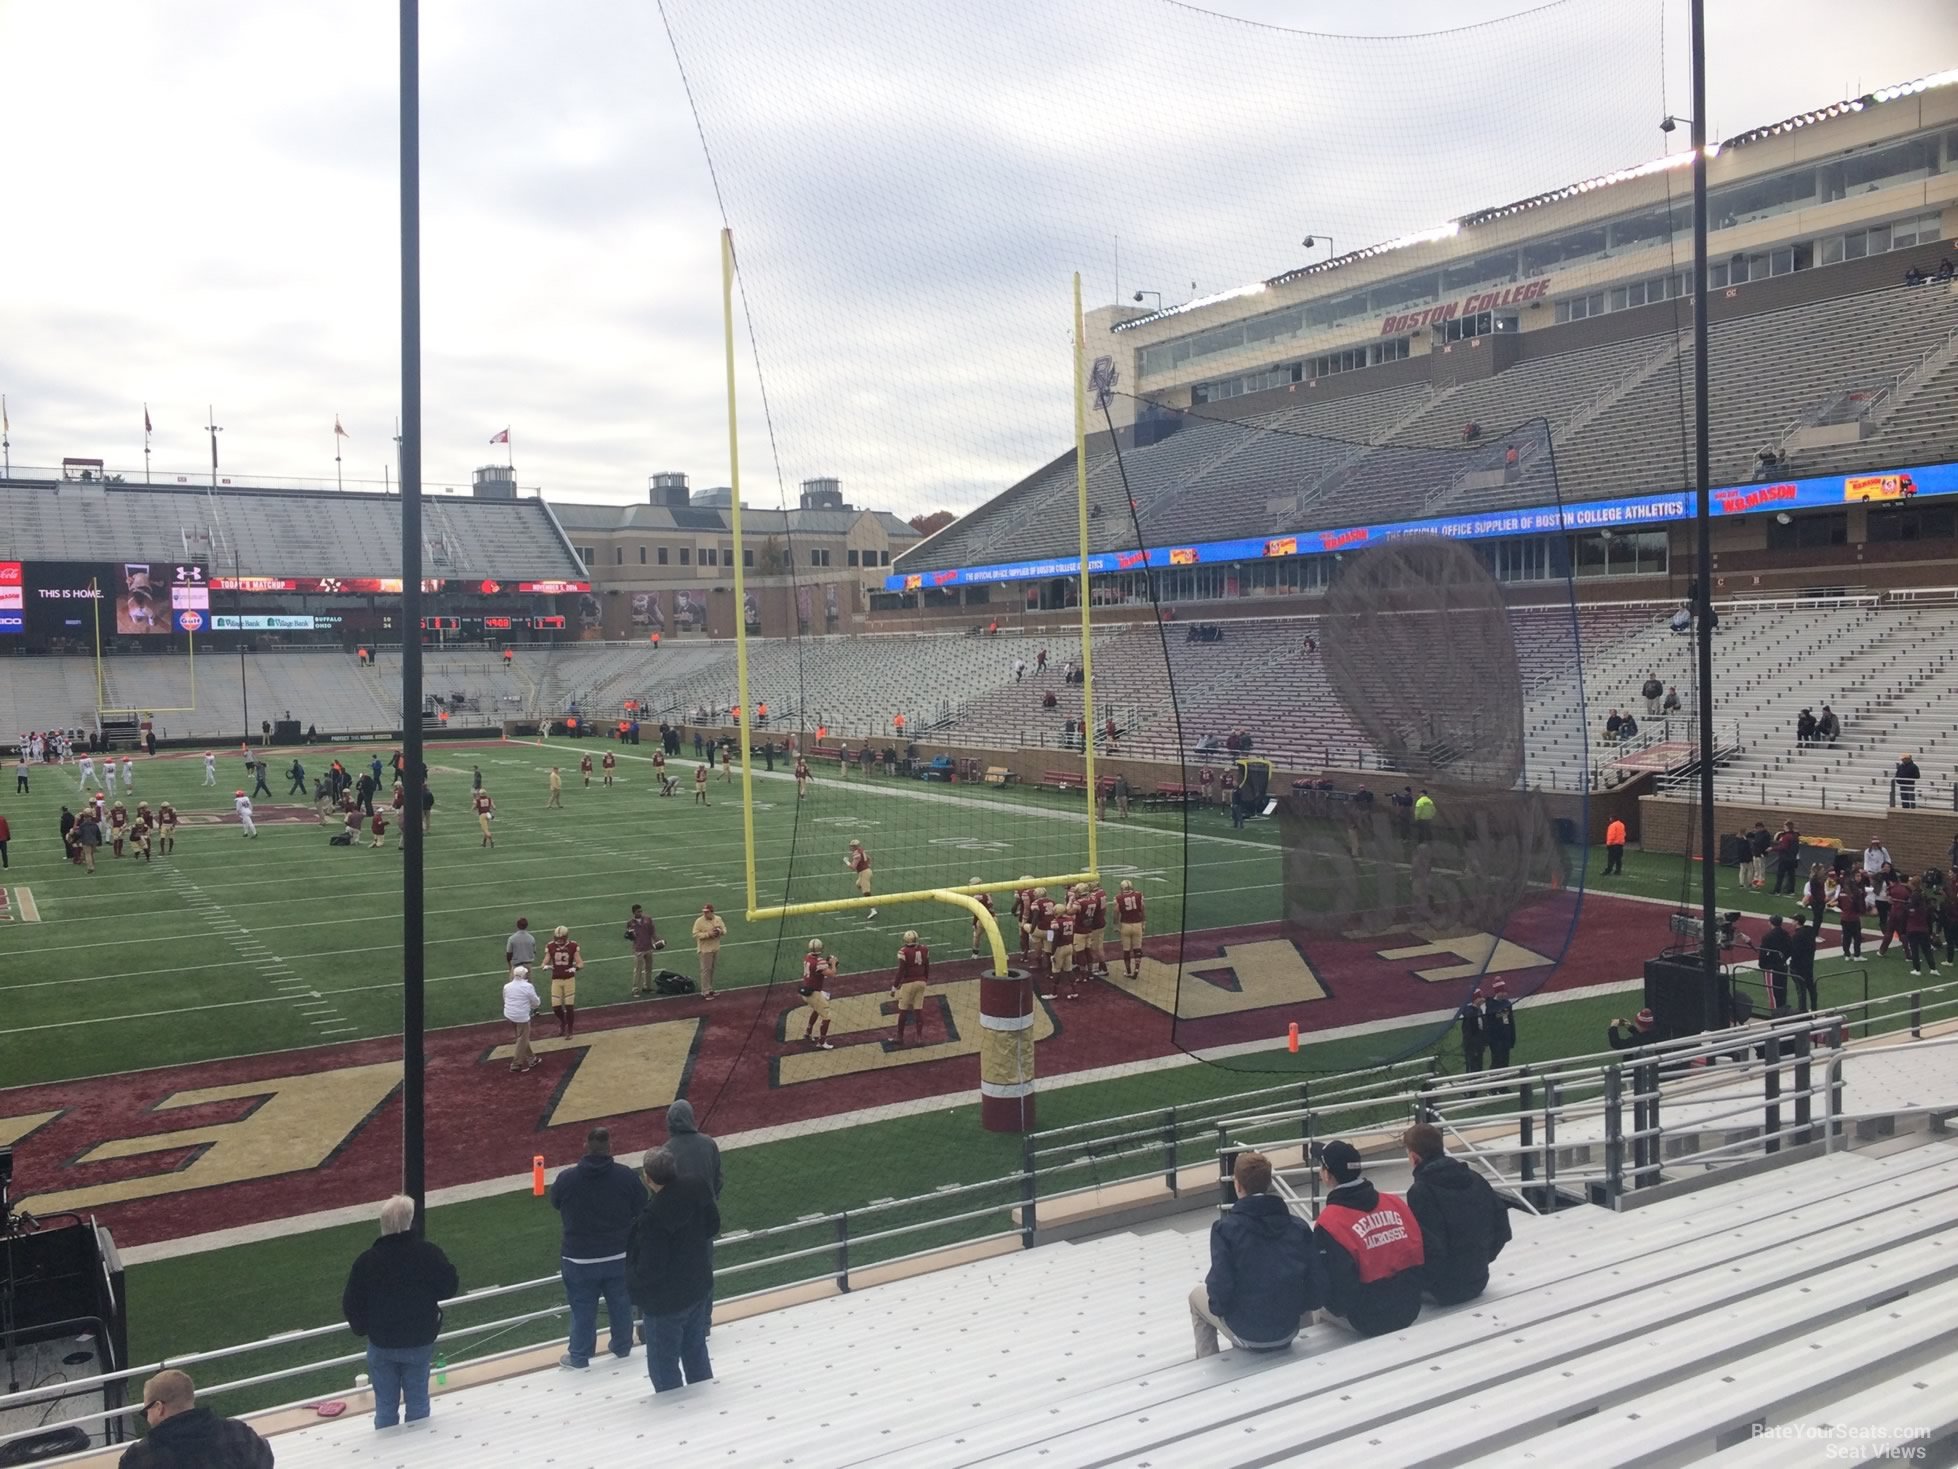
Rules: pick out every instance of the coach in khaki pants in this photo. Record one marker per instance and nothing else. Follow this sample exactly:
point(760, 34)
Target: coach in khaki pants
point(708, 931)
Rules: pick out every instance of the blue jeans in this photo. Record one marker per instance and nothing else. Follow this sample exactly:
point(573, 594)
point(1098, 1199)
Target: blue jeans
point(583, 1285)
point(678, 1343)
point(398, 1373)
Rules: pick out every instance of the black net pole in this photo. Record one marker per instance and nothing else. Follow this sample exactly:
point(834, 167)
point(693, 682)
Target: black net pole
point(1703, 516)
point(415, 775)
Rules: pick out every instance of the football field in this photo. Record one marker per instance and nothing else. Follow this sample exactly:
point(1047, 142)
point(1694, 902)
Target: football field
point(237, 946)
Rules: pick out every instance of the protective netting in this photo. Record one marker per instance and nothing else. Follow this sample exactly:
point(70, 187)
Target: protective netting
point(911, 191)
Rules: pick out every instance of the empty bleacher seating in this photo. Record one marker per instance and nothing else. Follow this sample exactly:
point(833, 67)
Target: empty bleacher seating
point(1657, 1335)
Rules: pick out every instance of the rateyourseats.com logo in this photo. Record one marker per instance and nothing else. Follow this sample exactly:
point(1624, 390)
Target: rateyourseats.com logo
point(1855, 1443)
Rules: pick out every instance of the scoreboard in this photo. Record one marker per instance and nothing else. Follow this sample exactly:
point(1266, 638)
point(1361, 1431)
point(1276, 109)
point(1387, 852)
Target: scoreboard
point(51, 600)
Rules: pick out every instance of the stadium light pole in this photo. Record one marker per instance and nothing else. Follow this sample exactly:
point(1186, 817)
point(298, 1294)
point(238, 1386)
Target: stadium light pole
point(414, 1181)
point(238, 603)
point(1703, 516)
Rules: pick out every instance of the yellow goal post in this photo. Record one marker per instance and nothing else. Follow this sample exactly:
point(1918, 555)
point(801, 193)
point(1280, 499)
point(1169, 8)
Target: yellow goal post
point(963, 895)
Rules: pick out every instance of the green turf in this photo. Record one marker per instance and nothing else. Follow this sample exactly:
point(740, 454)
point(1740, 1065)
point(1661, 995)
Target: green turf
point(181, 959)
point(235, 947)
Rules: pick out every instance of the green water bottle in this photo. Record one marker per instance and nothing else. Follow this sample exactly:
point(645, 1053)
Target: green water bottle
point(441, 1371)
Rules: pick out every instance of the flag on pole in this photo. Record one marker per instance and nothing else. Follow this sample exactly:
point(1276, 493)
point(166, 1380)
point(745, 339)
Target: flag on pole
point(502, 438)
point(338, 432)
point(146, 420)
point(5, 426)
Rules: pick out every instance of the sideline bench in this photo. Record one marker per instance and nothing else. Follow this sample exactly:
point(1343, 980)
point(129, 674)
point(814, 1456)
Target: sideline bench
point(1063, 780)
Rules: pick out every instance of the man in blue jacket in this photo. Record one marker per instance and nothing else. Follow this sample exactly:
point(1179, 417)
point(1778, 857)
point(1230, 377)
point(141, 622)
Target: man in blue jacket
point(1265, 1276)
point(597, 1200)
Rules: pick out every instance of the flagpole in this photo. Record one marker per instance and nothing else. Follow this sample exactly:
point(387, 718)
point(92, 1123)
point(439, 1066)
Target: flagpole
point(338, 483)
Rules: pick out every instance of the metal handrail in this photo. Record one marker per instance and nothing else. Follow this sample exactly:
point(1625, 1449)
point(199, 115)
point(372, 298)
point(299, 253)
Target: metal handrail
point(1022, 1190)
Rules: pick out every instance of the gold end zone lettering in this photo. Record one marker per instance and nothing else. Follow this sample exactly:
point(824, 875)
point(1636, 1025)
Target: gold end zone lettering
point(13, 1129)
point(1480, 953)
point(298, 1122)
point(633, 1068)
point(1250, 976)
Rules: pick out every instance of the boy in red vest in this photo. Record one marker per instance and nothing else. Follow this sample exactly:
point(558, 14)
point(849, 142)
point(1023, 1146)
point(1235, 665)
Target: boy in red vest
point(1371, 1245)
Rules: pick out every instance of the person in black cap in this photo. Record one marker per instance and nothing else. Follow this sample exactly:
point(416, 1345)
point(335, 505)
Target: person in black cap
point(1474, 1043)
point(1266, 1277)
point(1801, 962)
point(1499, 1023)
point(1773, 950)
point(1371, 1246)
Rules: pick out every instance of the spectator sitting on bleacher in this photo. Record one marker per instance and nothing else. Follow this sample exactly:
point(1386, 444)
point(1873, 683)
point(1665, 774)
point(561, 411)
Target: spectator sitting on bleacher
point(1371, 1245)
point(1914, 277)
point(1048, 701)
point(1614, 725)
point(1671, 706)
point(1266, 1277)
point(1682, 620)
point(1828, 728)
point(1805, 728)
point(1627, 729)
point(1464, 1225)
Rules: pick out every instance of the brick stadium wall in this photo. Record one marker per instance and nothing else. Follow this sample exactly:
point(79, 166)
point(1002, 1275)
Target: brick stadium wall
point(1917, 839)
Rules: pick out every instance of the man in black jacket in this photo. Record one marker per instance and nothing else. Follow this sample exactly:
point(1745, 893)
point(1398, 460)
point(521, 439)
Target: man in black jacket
point(670, 1267)
point(697, 1156)
point(1787, 851)
point(1499, 1023)
point(1801, 961)
point(597, 1200)
point(184, 1436)
point(1474, 1043)
point(1463, 1224)
point(1265, 1276)
point(393, 1297)
point(1773, 950)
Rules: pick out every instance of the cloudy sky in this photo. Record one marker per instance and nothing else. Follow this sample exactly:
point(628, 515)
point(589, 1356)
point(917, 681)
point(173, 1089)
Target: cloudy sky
point(200, 206)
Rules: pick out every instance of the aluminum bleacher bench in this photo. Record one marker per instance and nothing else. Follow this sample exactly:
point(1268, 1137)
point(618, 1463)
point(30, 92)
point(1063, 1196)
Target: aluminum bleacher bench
point(1588, 1293)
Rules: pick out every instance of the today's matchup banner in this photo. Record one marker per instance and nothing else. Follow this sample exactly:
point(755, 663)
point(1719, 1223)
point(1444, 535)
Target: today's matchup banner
point(1639, 513)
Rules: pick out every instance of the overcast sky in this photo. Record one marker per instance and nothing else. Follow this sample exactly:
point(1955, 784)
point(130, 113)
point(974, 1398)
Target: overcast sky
point(200, 206)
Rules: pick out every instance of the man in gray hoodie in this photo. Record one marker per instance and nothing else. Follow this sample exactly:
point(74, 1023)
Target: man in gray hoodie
point(698, 1156)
